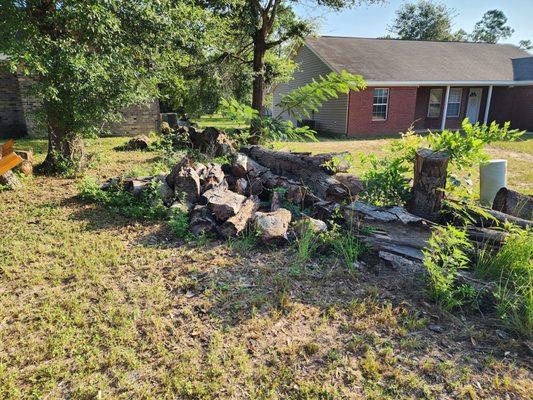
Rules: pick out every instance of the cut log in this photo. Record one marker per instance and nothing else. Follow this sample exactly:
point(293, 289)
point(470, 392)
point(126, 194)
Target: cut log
point(494, 217)
point(25, 155)
point(26, 167)
point(10, 180)
point(140, 142)
point(137, 186)
point(201, 221)
point(223, 203)
point(352, 183)
point(333, 163)
point(299, 167)
point(393, 229)
point(241, 186)
point(325, 210)
point(430, 175)
point(176, 170)
point(211, 141)
point(513, 203)
point(236, 224)
point(275, 201)
point(212, 176)
point(273, 226)
point(307, 223)
point(186, 184)
point(167, 194)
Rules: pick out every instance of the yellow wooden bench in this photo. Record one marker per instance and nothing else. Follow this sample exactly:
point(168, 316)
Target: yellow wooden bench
point(8, 158)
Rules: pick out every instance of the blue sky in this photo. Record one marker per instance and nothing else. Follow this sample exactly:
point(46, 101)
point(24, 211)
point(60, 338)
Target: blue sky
point(372, 21)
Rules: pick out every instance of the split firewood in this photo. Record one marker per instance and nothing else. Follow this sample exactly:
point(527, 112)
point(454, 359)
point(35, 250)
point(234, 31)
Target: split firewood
point(167, 194)
point(241, 186)
point(211, 141)
point(223, 203)
point(430, 174)
point(201, 220)
point(212, 176)
point(513, 203)
point(176, 170)
point(236, 224)
point(273, 225)
point(300, 167)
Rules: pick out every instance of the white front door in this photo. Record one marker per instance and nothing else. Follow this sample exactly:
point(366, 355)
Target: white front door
point(474, 102)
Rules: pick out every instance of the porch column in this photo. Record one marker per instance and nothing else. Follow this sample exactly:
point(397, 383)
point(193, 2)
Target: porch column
point(487, 107)
point(445, 110)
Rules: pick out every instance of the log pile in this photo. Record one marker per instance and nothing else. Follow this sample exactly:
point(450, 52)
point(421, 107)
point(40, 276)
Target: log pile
point(250, 190)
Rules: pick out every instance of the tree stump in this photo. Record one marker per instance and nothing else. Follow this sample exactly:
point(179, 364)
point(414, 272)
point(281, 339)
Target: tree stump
point(430, 174)
point(10, 180)
point(513, 203)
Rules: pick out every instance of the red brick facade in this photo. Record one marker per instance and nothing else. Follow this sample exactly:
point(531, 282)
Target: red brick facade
point(408, 106)
point(400, 115)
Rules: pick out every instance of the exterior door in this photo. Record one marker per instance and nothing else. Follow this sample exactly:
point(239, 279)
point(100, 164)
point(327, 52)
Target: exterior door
point(474, 103)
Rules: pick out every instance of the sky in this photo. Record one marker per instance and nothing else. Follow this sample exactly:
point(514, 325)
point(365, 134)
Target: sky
point(372, 21)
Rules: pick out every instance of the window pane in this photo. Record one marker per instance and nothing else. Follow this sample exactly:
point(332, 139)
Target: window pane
point(434, 110)
point(435, 96)
point(455, 95)
point(453, 109)
point(380, 104)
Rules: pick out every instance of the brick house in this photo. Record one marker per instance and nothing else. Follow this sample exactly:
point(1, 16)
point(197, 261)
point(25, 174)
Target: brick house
point(426, 84)
point(17, 106)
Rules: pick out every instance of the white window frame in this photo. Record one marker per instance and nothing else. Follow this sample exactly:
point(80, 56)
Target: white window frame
point(386, 104)
point(460, 90)
point(439, 103)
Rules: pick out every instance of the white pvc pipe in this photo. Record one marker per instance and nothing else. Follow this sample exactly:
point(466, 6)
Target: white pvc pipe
point(492, 177)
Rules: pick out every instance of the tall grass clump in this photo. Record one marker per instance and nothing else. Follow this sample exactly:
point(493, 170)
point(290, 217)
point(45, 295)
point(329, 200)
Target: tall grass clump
point(307, 242)
point(511, 268)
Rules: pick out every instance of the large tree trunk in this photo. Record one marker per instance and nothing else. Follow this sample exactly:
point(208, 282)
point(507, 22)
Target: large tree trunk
point(66, 150)
point(429, 183)
point(259, 69)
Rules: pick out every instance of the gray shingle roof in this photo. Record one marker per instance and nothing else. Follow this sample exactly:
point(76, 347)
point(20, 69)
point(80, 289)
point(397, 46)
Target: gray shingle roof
point(387, 60)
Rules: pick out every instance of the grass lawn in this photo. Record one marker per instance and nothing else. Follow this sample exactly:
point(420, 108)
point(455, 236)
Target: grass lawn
point(94, 305)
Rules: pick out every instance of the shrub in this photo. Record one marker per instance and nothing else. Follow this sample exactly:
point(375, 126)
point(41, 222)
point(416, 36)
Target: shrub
point(179, 224)
point(512, 270)
point(444, 257)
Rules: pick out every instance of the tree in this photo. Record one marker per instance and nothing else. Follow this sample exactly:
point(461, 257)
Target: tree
point(264, 25)
point(425, 21)
point(492, 28)
point(526, 44)
point(91, 58)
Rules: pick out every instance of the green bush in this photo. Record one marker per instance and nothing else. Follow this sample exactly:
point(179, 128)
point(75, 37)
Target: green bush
point(511, 268)
point(179, 224)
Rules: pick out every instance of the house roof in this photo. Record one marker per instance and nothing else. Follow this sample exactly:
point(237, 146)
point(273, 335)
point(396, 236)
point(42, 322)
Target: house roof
point(393, 60)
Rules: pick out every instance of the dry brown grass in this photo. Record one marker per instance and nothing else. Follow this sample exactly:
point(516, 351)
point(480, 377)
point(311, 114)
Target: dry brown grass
point(94, 305)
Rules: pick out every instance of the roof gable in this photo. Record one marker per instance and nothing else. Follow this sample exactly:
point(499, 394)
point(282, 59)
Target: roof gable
point(382, 60)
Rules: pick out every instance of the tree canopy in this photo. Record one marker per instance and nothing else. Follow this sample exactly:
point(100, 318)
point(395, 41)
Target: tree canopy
point(424, 21)
point(91, 58)
point(492, 28)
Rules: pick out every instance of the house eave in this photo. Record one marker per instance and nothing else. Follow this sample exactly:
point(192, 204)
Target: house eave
point(449, 83)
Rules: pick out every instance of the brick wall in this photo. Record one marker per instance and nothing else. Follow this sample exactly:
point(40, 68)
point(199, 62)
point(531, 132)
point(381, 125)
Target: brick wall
point(400, 116)
point(18, 106)
point(12, 123)
point(138, 120)
point(513, 104)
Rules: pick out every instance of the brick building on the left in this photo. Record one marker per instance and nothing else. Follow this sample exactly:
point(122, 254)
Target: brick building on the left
point(17, 106)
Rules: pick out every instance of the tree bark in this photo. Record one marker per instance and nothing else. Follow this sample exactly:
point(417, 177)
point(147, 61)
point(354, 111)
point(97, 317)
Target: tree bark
point(513, 203)
point(259, 69)
point(430, 174)
point(65, 150)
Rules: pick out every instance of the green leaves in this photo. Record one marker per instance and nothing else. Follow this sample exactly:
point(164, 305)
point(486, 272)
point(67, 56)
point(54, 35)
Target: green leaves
point(301, 102)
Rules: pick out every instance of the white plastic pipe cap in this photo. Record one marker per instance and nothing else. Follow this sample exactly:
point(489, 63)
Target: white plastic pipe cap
point(492, 177)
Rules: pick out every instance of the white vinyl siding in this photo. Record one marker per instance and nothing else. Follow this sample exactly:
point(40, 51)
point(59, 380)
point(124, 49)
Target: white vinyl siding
point(332, 115)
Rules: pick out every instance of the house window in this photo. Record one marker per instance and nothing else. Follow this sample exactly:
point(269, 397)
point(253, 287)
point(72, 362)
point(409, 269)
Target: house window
point(435, 100)
point(380, 104)
point(454, 102)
